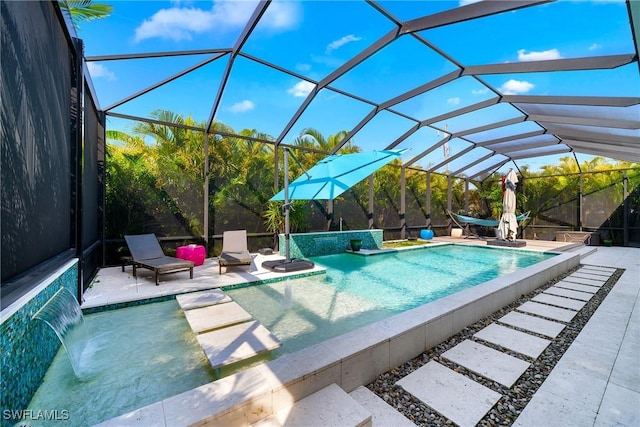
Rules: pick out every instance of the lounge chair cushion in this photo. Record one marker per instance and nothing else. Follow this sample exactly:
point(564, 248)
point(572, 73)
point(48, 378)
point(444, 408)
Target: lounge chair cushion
point(229, 258)
point(234, 249)
point(147, 253)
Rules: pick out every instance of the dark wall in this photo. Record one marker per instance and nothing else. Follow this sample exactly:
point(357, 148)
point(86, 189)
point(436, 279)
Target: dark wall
point(35, 135)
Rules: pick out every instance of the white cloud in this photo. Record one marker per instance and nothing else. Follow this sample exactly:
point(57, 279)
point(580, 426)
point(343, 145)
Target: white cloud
point(480, 91)
point(341, 42)
point(514, 87)
point(242, 106)
point(281, 15)
point(303, 67)
point(100, 71)
point(523, 55)
point(453, 101)
point(301, 89)
point(595, 46)
point(181, 23)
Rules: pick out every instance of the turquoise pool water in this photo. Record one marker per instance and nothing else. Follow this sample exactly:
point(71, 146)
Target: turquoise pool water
point(140, 355)
point(358, 290)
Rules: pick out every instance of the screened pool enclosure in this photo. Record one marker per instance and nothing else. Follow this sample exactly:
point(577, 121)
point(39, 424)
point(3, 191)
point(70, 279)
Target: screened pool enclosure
point(179, 130)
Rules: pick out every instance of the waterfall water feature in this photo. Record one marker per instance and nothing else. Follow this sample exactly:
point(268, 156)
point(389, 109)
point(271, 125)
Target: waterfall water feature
point(63, 314)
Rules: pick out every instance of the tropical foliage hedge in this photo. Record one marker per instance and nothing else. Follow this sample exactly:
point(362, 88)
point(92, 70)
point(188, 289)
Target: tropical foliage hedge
point(155, 183)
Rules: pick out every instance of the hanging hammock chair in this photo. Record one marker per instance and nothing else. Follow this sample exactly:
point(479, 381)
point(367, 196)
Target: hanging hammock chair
point(463, 222)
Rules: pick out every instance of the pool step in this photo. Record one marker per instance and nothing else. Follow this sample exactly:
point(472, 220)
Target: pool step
point(202, 299)
point(382, 414)
point(216, 316)
point(330, 406)
point(226, 332)
point(236, 343)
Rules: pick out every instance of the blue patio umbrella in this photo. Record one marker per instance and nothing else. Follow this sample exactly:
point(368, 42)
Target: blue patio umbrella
point(336, 174)
point(325, 181)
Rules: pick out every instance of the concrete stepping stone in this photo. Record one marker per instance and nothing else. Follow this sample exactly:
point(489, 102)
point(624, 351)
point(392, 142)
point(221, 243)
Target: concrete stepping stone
point(597, 271)
point(563, 302)
point(236, 343)
point(202, 299)
point(582, 296)
point(493, 364)
point(382, 414)
point(587, 275)
point(532, 323)
point(577, 287)
point(599, 268)
point(554, 313)
point(583, 281)
point(451, 394)
point(330, 406)
point(520, 342)
point(216, 316)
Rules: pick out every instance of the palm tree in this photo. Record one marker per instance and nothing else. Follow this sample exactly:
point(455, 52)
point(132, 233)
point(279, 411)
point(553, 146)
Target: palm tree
point(84, 10)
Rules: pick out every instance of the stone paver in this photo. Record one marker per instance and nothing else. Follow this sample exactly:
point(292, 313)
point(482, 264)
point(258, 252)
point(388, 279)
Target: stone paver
point(563, 302)
point(216, 316)
point(610, 270)
point(577, 287)
point(555, 313)
point(382, 414)
point(511, 339)
point(490, 363)
point(588, 275)
point(555, 290)
point(534, 324)
point(451, 394)
point(595, 272)
point(619, 407)
point(202, 299)
point(583, 281)
point(235, 343)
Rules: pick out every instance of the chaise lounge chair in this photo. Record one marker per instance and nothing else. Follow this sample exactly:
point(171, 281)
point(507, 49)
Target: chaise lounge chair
point(147, 253)
point(234, 249)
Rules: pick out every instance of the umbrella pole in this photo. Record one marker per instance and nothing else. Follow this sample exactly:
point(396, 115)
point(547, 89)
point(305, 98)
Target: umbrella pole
point(286, 206)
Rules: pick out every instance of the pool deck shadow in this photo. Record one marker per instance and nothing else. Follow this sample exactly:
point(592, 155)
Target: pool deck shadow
point(611, 337)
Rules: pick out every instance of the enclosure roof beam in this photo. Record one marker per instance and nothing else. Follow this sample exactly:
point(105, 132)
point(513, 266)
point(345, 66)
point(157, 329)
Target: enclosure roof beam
point(428, 150)
point(596, 101)
point(613, 151)
point(511, 138)
point(460, 111)
point(566, 64)
point(260, 9)
point(488, 127)
point(541, 154)
point(450, 159)
point(500, 148)
point(585, 121)
point(472, 164)
point(163, 82)
point(495, 166)
point(465, 13)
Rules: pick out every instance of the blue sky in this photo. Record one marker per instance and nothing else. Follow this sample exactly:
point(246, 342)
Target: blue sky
point(314, 38)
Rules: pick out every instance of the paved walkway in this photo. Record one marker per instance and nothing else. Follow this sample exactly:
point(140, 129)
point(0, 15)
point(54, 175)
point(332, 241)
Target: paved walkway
point(464, 401)
point(597, 381)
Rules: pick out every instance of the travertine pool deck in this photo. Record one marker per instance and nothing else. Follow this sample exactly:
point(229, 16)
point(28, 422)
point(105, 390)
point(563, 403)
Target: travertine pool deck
point(112, 286)
point(597, 381)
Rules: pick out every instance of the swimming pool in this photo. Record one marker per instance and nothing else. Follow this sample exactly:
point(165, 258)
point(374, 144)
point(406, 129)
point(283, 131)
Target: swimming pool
point(143, 354)
point(359, 290)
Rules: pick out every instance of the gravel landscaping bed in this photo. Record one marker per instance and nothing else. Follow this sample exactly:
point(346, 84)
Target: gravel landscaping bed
point(513, 399)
